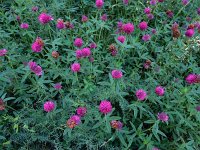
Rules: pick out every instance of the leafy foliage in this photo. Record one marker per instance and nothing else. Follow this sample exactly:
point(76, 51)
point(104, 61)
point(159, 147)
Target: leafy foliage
point(25, 125)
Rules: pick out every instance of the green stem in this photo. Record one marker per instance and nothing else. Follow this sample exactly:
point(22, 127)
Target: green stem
point(10, 107)
point(49, 28)
point(9, 61)
point(76, 76)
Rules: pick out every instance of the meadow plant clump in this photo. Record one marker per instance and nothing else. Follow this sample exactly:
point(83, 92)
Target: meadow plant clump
point(100, 74)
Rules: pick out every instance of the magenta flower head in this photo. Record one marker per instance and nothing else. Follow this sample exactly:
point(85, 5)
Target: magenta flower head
point(147, 64)
point(146, 37)
point(175, 26)
point(198, 108)
point(185, 2)
point(69, 25)
point(189, 33)
point(76, 118)
point(73, 121)
point(147, 10)
point(55, 54)
point(75, 67)
point(188, 18)
point(34, 8)
point(197, 25)
point(119, 25)
point(141, 94)
point(191, 78)
point(49, 106)
point(150, 16)
point(116, 124)
point(81, 111)
point(105, 107)
point(163, 117)
point(2, 106)
point(199, 28)
point(125, 2)
point(24, 26)
point(35, 68)
point(169, 13)
point(57, 86)
point(91, 59)
point(128, 28)
point(159, 90)
point(38, 45)
point(60, 24)
point(117, 74)
point(114, 52)
point(161, 1)
point(153, 2)
point(84, 18)
point(198, 11)
point(79, 53)
point(78, 42)
point(18, 18)
point(121, 38)
point(86, 52)
point(153, 31)
point(104, 17)
point(143, 25)
point(99, 4)
point(93, 45)
point(3, 52)
point(44, 18)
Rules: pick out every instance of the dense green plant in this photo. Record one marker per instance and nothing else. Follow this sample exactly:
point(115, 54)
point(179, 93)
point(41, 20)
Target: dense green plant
point(24, 123)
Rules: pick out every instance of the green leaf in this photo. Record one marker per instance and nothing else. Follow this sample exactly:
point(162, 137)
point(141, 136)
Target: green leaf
point(111, 79)
point(97, 125)
point(135, 112)
point(121, 138)
point(155, 130)
point(8, 98)
point(2, 137)
point(25, 76)
point(107, 124)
